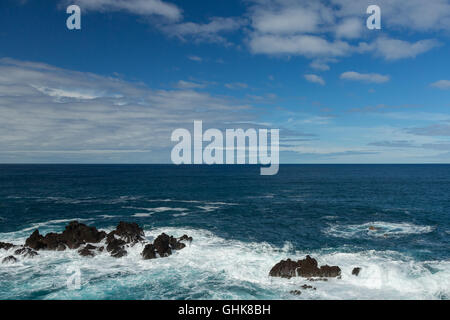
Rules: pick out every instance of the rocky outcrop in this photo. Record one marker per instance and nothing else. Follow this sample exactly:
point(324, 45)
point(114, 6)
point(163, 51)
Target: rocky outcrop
point(307, 268)
point(149, 252)
point(163, 246)
point(75, 235)
point(80, 236)
point(125, 234)
point(356, 271)
point(129, 232)
point(6, 246)
point(9, 259)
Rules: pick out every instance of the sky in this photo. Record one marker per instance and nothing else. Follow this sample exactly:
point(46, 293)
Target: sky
point(114, 91)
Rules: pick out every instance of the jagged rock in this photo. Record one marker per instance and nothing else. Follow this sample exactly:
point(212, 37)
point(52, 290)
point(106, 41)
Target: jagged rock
point(149, 252)
point(129, 232)
point(74, 235)
point(125, 233)
point(87, 251)
point(303, 268)
point(317, 279)
point(185, 237)
point(9, 259)
point(296, 292)
point(6, 246)
point(26, 252)
point(119, 253)
point(356, 271)
point(35, 241)
point(163, 246)
point(77, 234)
point(305, 286)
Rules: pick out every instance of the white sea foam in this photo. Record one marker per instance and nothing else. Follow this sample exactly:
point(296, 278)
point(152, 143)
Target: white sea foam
point(376, 229)
point(208, 208)
point(217, 268)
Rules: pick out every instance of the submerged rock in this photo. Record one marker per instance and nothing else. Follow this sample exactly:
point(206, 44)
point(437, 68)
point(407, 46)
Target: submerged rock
point(356, 271)
point(6, 246)
point(9, 259)
point(305, 286)
point(303, 268)
point(87, 251)
point(296, 292)
point(26, 252)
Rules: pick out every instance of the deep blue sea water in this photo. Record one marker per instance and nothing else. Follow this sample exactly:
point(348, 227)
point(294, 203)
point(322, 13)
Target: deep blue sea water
point(242, 224)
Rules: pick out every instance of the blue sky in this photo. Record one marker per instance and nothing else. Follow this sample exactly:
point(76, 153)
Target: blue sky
point(114, 91)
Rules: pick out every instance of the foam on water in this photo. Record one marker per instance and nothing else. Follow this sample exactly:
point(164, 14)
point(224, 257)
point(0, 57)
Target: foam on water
point(376, 229)
point(216, 268)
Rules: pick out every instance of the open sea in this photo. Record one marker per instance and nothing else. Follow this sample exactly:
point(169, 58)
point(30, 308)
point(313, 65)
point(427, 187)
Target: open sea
point(242, 224)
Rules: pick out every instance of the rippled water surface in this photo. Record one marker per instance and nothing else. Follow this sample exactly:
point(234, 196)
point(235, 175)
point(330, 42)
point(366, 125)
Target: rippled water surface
point(390, 220)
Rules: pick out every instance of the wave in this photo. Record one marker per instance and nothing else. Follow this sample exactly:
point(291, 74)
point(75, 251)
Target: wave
point(377, 229)
point(212, 267)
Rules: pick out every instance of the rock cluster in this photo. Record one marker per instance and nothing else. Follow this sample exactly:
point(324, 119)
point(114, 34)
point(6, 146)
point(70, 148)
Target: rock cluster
point(163, 246)
point(306, 268)
point(82, 237)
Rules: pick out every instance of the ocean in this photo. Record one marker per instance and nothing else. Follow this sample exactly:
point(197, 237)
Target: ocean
point(242, 224)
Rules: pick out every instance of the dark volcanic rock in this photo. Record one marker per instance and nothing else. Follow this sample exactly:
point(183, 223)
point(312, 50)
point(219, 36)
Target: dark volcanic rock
point(163, 246)
point(185, 237)
point(35, 241)
point(149, 252)
point(303, 268)
point(77, 234)
point(9, 259)
point(305, 286)
point(356, 271)
point(74, 235)
point(26, 252)
point(87, 251)
point(119, 253)
point(6, 246)
point(296, 292)
point(129, 232)
point(125, 233)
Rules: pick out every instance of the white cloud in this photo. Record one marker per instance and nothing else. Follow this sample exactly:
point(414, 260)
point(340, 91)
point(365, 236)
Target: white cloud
point(195, 58)
point(350, 28)
point(204, 32)
point(286, 21)
point(305, 45)
point(182, 84)
point(315, 79)
point(394, 49)
point(365, 77)
point(47, 110)
point(137, 7)
point(236, 85)
point(442, 84)
point(329, 29)
point(322, 64)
